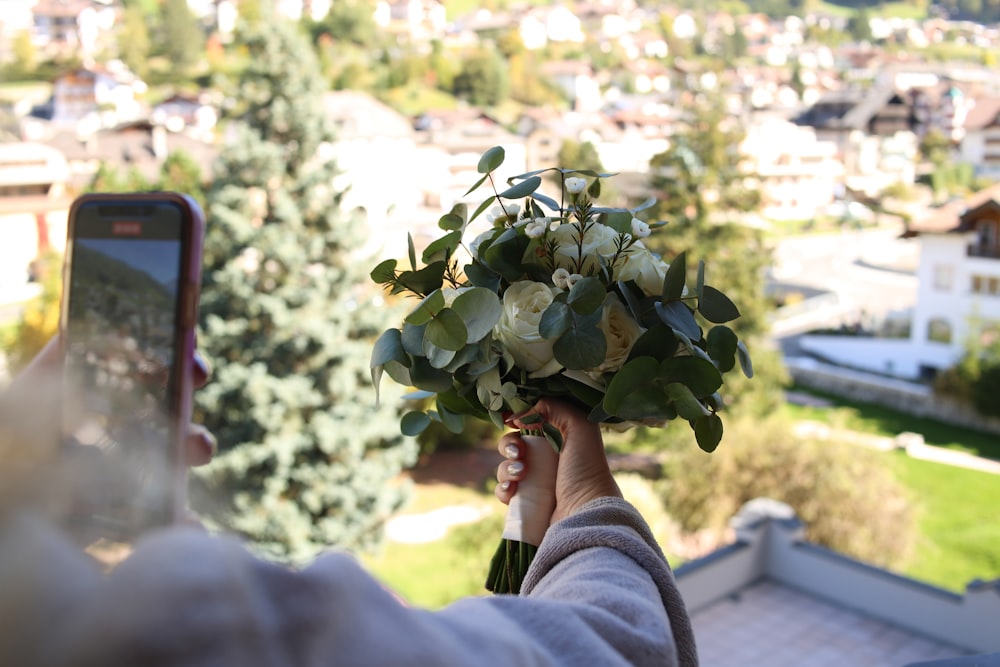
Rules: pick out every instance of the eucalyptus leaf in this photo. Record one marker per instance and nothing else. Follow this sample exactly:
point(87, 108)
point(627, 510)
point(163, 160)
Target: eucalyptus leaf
point(444, 245)
point(744, 356)
point(556, 319)
point(708, 432)
point(413, 339)
point(411, 251)
point(414, 423)
point(505, 255)
point(476, 185)
point(522, 189)
point(594, 189)
point(490, 160)
point(716, 307)
point(453, 421)
point(636, 375)
point(428, 307)
point(587, 296)
point(447, 330)
point(426, 377)
point(620, 221)
point(482, 207)
point(657, 341)
point(700, 284)
point(424, 281)
point(385, 272)
point(582, 345)
point(674, 279)
point(685, 403)
point(678, 316)
point(551, 203)
point(481, 276)
point(399, 373)
point(455, 218)
point(698, 375)
point(438, 356)
point(480, 310)
point(388, 347)
point(722, 344)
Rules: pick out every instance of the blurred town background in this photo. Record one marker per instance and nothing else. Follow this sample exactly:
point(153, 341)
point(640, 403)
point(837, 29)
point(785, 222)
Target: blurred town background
point(835, 165)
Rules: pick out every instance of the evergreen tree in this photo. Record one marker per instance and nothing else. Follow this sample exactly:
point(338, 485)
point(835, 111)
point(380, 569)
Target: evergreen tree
point(306, 458)
point(702, 194)
point(182, 41)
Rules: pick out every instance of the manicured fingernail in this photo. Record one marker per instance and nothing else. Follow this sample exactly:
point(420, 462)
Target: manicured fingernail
point(515, 468)
point(511, 451)
point(504, 486)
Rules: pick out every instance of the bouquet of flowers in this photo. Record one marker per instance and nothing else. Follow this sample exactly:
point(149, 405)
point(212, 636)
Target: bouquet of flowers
point(556, 299)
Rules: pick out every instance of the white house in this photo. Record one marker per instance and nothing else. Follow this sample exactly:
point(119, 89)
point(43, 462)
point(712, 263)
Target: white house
point(797, 174)
point(980, 143)
point(957, 301)
point(96, 96)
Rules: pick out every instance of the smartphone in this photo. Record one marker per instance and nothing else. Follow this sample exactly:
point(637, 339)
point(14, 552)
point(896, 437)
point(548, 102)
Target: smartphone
point(131, 278)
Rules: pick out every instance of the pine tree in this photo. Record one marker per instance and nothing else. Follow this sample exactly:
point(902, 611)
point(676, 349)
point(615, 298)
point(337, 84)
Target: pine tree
point(306, 459)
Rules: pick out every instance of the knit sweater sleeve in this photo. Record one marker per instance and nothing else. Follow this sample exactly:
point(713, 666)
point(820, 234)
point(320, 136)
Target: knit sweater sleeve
point(599, 593)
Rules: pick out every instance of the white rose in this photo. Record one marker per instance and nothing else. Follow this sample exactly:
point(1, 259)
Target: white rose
point(645, 268)
point(524, 302)
point(620, 331)
point(598, 240)
point(575, 185)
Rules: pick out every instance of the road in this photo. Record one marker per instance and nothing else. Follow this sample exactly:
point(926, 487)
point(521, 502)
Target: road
point(869, 273)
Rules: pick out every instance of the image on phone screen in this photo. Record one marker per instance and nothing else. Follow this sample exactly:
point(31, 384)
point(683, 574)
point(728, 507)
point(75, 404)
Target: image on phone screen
point(120, 348)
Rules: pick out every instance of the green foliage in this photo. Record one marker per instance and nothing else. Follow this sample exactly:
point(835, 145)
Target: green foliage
point(39, 320)
point(986, 391)
point(349, 21)
point(702, 195)
point(564, 301)
point(134, 43)
point(180, 38)
point(846, 495)
point(482, 79)
point(306, 458)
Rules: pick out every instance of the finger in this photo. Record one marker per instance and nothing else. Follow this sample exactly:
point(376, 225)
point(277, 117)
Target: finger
point(200, 445)
point(511, 446)
point(510, 471)
point(202, 371)
point(504, 491)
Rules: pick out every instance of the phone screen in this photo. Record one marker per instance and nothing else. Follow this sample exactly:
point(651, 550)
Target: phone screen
point(121, 346)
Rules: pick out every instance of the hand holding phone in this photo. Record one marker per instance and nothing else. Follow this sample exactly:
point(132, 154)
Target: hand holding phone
point(131, 281)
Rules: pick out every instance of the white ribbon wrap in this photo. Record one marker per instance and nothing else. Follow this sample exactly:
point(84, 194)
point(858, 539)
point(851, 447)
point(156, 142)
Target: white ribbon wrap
point(531, 508)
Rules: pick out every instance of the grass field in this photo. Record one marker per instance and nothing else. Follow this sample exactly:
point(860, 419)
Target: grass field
point(959, 522)
point(885, 422)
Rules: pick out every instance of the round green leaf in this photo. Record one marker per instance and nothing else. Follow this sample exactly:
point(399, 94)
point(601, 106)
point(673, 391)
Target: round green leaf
point(428, 307)
point(385, 271)
point(388, 347)
point(582, 345)
point(480, 310)
point(587, 295)
point(676, 276)
point(443, 246)
point(679, 317)
point(685, 403)
point(424, 281)
point(555, 320)
point(744, 355)
point(636, 376)
point(697, 374)
point(490, 160)
point(708, 432)
point(447, 331)
point(722, 344)
point(414, 423)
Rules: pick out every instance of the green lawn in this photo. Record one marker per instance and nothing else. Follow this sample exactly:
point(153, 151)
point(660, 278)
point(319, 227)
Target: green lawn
point(959, 522)
point(433, 574)
point(885, 422)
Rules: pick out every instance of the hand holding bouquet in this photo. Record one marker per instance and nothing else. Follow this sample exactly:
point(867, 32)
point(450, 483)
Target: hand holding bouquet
point(556, 299)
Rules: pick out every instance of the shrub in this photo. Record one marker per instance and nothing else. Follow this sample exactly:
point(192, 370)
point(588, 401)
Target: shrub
point(846, 495)
point(642, 493)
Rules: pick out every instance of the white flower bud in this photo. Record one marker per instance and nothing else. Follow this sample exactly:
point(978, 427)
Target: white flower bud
point(560, 278)
point(536, 228)
point(575, 185)
point(639, 228)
